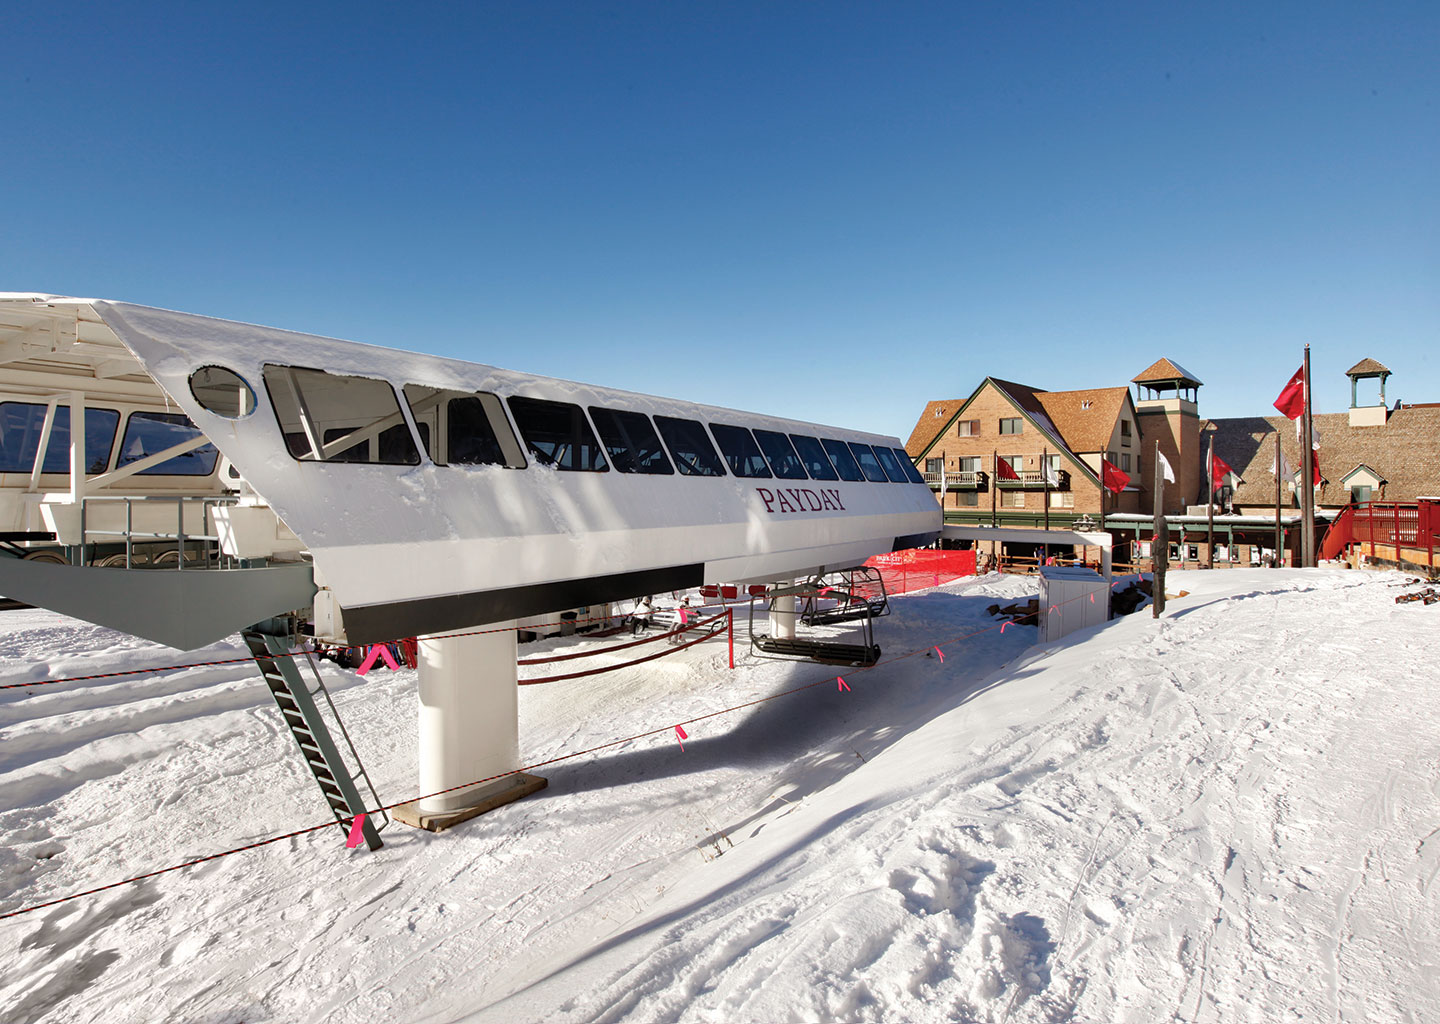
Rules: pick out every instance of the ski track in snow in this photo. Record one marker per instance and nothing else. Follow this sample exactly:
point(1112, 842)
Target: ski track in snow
point(1231, 813)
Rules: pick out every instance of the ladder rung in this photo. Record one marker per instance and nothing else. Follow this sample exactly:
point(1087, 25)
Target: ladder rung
point(291, 694)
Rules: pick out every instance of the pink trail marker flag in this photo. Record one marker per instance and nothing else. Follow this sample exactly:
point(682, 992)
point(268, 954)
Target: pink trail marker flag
point(681, 736)
point(843, 685)
point(940, 654)
point(377, 651)
point(357, 832)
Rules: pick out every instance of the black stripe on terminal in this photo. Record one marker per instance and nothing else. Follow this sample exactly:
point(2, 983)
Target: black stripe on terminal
point(373, 623)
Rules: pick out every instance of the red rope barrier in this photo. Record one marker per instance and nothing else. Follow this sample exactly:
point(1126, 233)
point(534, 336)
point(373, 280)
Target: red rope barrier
point(237, 661)
point(620, 647)
point(502, 775)
point(627, 664)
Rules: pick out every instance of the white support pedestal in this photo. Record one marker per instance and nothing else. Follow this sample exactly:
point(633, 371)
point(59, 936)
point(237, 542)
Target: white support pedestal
point(469, 727)
point(782, 617)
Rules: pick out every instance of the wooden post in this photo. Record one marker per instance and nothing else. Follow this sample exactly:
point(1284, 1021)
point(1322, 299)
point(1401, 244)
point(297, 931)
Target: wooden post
point(1210, 504)
point(1279, 560)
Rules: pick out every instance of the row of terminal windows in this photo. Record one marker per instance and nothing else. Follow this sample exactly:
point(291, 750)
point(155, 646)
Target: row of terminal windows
point(328, 417)
point(22, 425)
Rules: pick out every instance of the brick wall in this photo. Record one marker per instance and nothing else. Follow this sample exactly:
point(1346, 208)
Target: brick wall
point(989, 407)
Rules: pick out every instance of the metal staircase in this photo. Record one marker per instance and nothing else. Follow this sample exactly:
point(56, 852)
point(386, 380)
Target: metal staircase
point(297, 703)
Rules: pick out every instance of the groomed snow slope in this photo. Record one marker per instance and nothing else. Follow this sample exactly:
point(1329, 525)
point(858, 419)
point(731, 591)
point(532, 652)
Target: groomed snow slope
point(1228, 814)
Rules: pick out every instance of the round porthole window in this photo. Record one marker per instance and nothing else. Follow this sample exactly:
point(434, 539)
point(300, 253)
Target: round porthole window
point(222, 392)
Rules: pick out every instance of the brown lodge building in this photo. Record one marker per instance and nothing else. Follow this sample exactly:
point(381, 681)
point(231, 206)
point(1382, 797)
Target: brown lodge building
point(1370, 453)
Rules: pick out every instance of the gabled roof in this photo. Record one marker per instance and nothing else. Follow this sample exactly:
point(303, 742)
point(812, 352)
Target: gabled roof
point(1362, 468)
point(1085, 427)
point(1030, 401)
point(1405, 452)
point(1165, 371)
point(1367, 367)
point(1034, 404)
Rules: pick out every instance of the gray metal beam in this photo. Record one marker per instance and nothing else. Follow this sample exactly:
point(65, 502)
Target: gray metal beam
point(180, 608)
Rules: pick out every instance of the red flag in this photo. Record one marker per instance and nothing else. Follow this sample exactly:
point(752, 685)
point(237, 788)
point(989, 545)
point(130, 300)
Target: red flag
point(1292, 399)
point(1219, 470)
point(1115, 480)
point(1004, 470)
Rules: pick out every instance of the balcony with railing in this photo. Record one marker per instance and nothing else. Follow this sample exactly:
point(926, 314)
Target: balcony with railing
point(967, 480)
point(1034, 480)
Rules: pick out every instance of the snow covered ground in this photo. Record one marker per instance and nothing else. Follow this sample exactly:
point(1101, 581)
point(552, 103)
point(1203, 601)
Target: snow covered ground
point(1232, 813)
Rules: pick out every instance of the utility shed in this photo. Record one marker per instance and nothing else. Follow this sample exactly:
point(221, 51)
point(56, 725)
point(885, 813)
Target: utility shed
point(1071, 598)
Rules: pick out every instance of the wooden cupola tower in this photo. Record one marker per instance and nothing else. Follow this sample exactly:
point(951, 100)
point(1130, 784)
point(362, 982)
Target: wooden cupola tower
point(1373, 415)
point(1166, 410)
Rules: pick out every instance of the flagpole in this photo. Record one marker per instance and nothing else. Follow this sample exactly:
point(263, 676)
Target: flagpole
point(994, 483)
point(1279, 555)
point(1307, 492)
point(1159, 543)
point(1103, 491)
point(1045, 476)
point(1210, 503)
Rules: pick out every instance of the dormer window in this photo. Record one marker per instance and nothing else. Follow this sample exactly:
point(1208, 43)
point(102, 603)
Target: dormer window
point(1085, 403)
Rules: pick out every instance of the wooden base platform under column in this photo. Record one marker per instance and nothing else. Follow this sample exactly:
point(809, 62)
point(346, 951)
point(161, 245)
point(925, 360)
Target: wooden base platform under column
point(523, 785)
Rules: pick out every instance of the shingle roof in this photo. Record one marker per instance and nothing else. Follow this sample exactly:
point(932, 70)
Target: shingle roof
point(1405, 451)
point(1164, 371)
point(931, 421)
point(1061, 415)
point(1085, 429)
point(1366, 366)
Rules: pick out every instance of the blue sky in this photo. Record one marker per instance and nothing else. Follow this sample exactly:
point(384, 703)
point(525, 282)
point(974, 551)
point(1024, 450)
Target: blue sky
point(832, 211)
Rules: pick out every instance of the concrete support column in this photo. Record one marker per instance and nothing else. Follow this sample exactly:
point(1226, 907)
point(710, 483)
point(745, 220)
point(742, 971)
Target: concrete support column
point(782, 617)
point(469, 716)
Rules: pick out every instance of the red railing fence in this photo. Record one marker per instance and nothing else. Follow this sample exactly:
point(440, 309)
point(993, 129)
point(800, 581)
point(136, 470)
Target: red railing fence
point(1395, 524)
